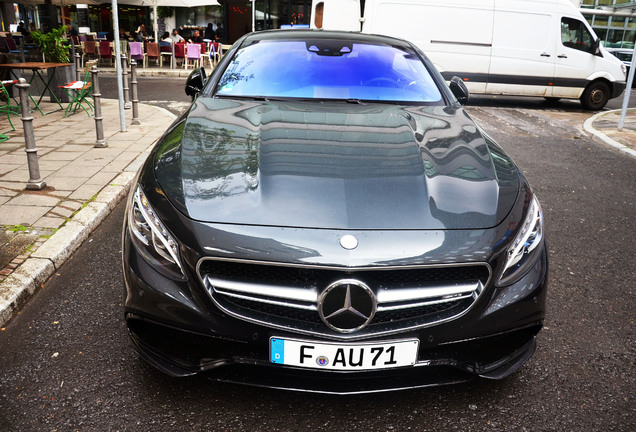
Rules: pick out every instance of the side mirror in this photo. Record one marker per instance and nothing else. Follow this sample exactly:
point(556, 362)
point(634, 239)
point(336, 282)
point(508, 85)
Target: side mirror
point(458, 88)
point(596, 47)
point(195, 82)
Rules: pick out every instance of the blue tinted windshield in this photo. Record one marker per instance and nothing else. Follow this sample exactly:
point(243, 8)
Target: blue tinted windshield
point(328, 69)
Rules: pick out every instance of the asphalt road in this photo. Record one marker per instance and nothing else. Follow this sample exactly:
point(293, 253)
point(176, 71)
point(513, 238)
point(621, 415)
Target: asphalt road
point(66, 362)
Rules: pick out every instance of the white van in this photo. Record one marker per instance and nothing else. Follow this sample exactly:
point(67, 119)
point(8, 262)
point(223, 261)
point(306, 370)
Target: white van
point(505, 47)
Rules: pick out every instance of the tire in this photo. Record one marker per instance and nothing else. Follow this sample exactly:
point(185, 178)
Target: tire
point(595, 96)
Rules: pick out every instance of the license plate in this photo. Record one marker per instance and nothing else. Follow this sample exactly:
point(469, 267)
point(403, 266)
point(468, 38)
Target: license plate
point(347, 356)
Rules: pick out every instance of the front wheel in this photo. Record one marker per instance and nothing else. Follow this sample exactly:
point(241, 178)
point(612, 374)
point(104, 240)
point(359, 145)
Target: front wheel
point(595, 96)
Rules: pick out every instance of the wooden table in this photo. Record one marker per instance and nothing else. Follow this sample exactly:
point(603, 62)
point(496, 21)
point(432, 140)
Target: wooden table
point(37, 68)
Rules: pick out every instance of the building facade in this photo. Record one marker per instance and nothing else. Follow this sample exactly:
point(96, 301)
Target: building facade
point(616, 27)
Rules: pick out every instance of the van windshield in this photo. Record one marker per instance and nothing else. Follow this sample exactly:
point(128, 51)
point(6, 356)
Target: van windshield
point(328, 69)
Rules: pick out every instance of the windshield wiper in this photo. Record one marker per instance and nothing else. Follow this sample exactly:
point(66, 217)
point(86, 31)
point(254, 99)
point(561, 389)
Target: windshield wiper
point(355, 101)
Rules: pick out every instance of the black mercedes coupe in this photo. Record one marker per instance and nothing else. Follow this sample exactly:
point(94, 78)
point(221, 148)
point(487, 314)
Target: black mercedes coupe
point(327, 217)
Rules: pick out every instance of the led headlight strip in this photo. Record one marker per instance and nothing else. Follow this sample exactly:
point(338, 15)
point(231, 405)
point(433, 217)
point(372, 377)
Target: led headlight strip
point(149, 230)
point(527, 240)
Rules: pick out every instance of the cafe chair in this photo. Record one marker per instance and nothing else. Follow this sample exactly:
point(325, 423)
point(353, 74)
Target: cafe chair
point(90, 50)
point(216, 51)
point(137, 53)
point(80, 92)
point(5, 105)
point(153, 53)
point(193, 53)
point(123, 46)
point(204, 53)
point(106, 51)
point(179, 52)
point(11, 46)
point(165, 49)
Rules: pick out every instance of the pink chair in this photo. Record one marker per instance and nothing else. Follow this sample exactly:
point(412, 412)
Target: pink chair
point(193, 53)
point(137, 53)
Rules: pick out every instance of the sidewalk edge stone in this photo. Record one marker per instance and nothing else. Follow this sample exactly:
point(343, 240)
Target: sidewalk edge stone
point(601, 138)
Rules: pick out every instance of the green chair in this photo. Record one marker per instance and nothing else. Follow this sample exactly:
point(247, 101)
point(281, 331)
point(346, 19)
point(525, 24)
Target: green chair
point(80, 92)
point(6, 107)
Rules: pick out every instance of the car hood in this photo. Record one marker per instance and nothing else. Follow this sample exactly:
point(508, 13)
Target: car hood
point(334, 165)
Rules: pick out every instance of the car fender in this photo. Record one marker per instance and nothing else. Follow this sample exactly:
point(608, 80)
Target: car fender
point(601, 75)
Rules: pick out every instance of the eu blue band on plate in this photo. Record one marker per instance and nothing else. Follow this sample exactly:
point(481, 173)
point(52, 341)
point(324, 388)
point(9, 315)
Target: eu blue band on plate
point(277, 351)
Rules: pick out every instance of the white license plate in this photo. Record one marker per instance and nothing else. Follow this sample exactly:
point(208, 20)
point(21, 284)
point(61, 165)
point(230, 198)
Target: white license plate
point(343, 356)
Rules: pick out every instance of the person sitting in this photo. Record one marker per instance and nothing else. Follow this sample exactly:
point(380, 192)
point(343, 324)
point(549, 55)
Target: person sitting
point(165, 37)
point(22, 29)
point(196, 38)
point(210, 34)
point(176, 37)
point(141, 34)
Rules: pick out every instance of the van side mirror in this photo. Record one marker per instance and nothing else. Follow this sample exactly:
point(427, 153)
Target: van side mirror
point(458, 88)
point(195, 82)
point(596, 47)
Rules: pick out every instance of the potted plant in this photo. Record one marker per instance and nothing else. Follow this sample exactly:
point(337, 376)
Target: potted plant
point(54, 46)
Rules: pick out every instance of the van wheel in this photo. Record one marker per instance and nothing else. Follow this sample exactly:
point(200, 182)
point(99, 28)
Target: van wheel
point(595, 95)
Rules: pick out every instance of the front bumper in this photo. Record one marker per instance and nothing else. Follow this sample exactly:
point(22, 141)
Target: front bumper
point(176, 327)
point(617, 89)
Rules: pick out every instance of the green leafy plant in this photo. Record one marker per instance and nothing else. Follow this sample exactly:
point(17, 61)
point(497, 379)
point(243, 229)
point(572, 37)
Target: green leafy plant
point(164, 11)
point(53, 44)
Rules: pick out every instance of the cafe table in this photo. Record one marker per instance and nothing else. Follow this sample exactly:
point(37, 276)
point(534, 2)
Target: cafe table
point(37, 68)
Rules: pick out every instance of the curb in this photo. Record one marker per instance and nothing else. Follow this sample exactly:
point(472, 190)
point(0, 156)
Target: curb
point(601, 138)
point(31, 275)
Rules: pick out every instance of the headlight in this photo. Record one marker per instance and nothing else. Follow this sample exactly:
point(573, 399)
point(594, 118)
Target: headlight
point(151, 237)
point(524, 249)
point(624, 69)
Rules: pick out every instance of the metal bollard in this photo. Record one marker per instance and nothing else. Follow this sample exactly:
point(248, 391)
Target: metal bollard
point(124, 74)
point(35, 181)
point(135, 100)
point(99, 120)
point(78, 67)
point(77, 62)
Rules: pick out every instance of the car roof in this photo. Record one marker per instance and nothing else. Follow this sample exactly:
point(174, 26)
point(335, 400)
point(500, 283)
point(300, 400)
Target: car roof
point(295, 34)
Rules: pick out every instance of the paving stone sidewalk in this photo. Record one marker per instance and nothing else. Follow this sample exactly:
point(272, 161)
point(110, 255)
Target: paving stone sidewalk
point(40, 229)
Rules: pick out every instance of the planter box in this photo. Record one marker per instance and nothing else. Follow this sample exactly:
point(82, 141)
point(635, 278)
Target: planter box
point(62, 76)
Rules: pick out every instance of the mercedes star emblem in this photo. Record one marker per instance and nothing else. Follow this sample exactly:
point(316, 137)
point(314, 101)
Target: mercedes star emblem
point(347, 305)
point(349, 242)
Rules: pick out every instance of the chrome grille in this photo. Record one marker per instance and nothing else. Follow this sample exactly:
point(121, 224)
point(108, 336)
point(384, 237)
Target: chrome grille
point(285, 296)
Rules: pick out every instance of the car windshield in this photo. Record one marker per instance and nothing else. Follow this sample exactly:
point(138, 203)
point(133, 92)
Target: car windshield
point(328, 69)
